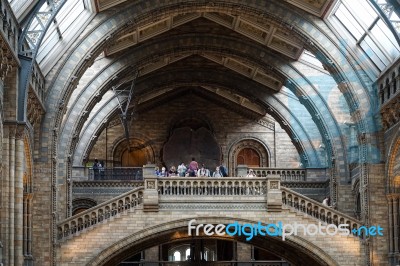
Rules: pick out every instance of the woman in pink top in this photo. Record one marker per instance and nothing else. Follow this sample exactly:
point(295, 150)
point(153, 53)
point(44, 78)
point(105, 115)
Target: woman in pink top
point(193, 167)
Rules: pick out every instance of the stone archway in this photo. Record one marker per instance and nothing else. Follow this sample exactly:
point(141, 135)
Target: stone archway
point(296, 250)
point(248, 145)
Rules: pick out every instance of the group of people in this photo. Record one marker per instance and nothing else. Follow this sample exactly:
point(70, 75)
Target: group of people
point(192, 170)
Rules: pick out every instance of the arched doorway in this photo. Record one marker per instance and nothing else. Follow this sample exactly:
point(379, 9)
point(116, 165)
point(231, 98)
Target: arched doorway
point(249, 157)
point(250, 152)
point(133, 158)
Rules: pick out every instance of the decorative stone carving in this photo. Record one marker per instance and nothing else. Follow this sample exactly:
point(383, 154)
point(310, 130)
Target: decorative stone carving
point(274, 185)
point(151, 185)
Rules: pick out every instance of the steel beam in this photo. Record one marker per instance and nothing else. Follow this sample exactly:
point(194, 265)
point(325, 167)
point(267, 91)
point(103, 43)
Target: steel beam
point(28, 45)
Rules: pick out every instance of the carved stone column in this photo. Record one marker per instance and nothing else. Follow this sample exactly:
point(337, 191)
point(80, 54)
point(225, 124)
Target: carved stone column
point(150, 194)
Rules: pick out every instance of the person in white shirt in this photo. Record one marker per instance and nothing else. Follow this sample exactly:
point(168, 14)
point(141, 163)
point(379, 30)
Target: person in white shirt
point(182, 169)
point(251, 173)
point(326, 201)
point(203, 172)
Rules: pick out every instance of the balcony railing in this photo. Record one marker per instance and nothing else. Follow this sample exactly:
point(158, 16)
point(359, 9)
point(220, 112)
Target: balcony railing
point(285, 174)
point(123, 173)
point(227, 186)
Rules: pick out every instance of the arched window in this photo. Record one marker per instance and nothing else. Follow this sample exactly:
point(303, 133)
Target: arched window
point(382, 92)
point(387, 89)
point(177, 256)
point(249, 157)
point(394, 83)
point(187, 254)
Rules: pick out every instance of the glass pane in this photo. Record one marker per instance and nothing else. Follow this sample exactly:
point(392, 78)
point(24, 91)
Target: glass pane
point(362, 11)
point(370, 51)
point(385, 37)
point(349, 22)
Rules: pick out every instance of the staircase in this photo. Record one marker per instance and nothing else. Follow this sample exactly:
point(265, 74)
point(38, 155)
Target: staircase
point(300, 203)
point(100, 213)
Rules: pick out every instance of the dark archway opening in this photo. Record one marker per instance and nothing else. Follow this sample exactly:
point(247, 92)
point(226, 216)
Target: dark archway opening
point(264, 247)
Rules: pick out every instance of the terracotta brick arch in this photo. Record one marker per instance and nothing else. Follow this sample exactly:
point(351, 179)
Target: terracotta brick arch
point(296, 250)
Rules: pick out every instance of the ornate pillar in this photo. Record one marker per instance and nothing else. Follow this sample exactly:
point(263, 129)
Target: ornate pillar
point(13, 157)
point(5, 196)
point(150, 194)
point(395, 224)
point(19, 194)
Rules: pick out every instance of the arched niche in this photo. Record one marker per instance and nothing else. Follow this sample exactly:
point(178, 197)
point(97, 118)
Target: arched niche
point(82, 204)
point(249, 151)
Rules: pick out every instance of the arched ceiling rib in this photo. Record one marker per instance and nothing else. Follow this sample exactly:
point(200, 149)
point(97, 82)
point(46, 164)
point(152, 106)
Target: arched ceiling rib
point(317, 8)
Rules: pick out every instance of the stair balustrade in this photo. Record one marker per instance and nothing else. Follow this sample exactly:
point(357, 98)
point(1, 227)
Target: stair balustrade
point(316, 209)
point(99, 213)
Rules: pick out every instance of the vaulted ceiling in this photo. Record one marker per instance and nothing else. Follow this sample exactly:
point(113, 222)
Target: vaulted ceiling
point(249, 56)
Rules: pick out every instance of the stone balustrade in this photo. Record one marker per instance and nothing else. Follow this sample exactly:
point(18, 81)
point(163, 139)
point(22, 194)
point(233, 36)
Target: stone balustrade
point(228, 186)
point(194, 189)
point(100, 213)
point(317, 210)
point(288, 174)
point(388, 86)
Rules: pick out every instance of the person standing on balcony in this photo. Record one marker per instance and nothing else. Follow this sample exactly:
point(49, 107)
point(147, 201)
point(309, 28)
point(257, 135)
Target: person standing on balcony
point(172, 171)
point(223, 169)
point(182, 169)
point(96, 169)
point(163, 172)
point(203, 172)
point(251, 173)
point(193, 167)
point(102, 170)
point(217, 172)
